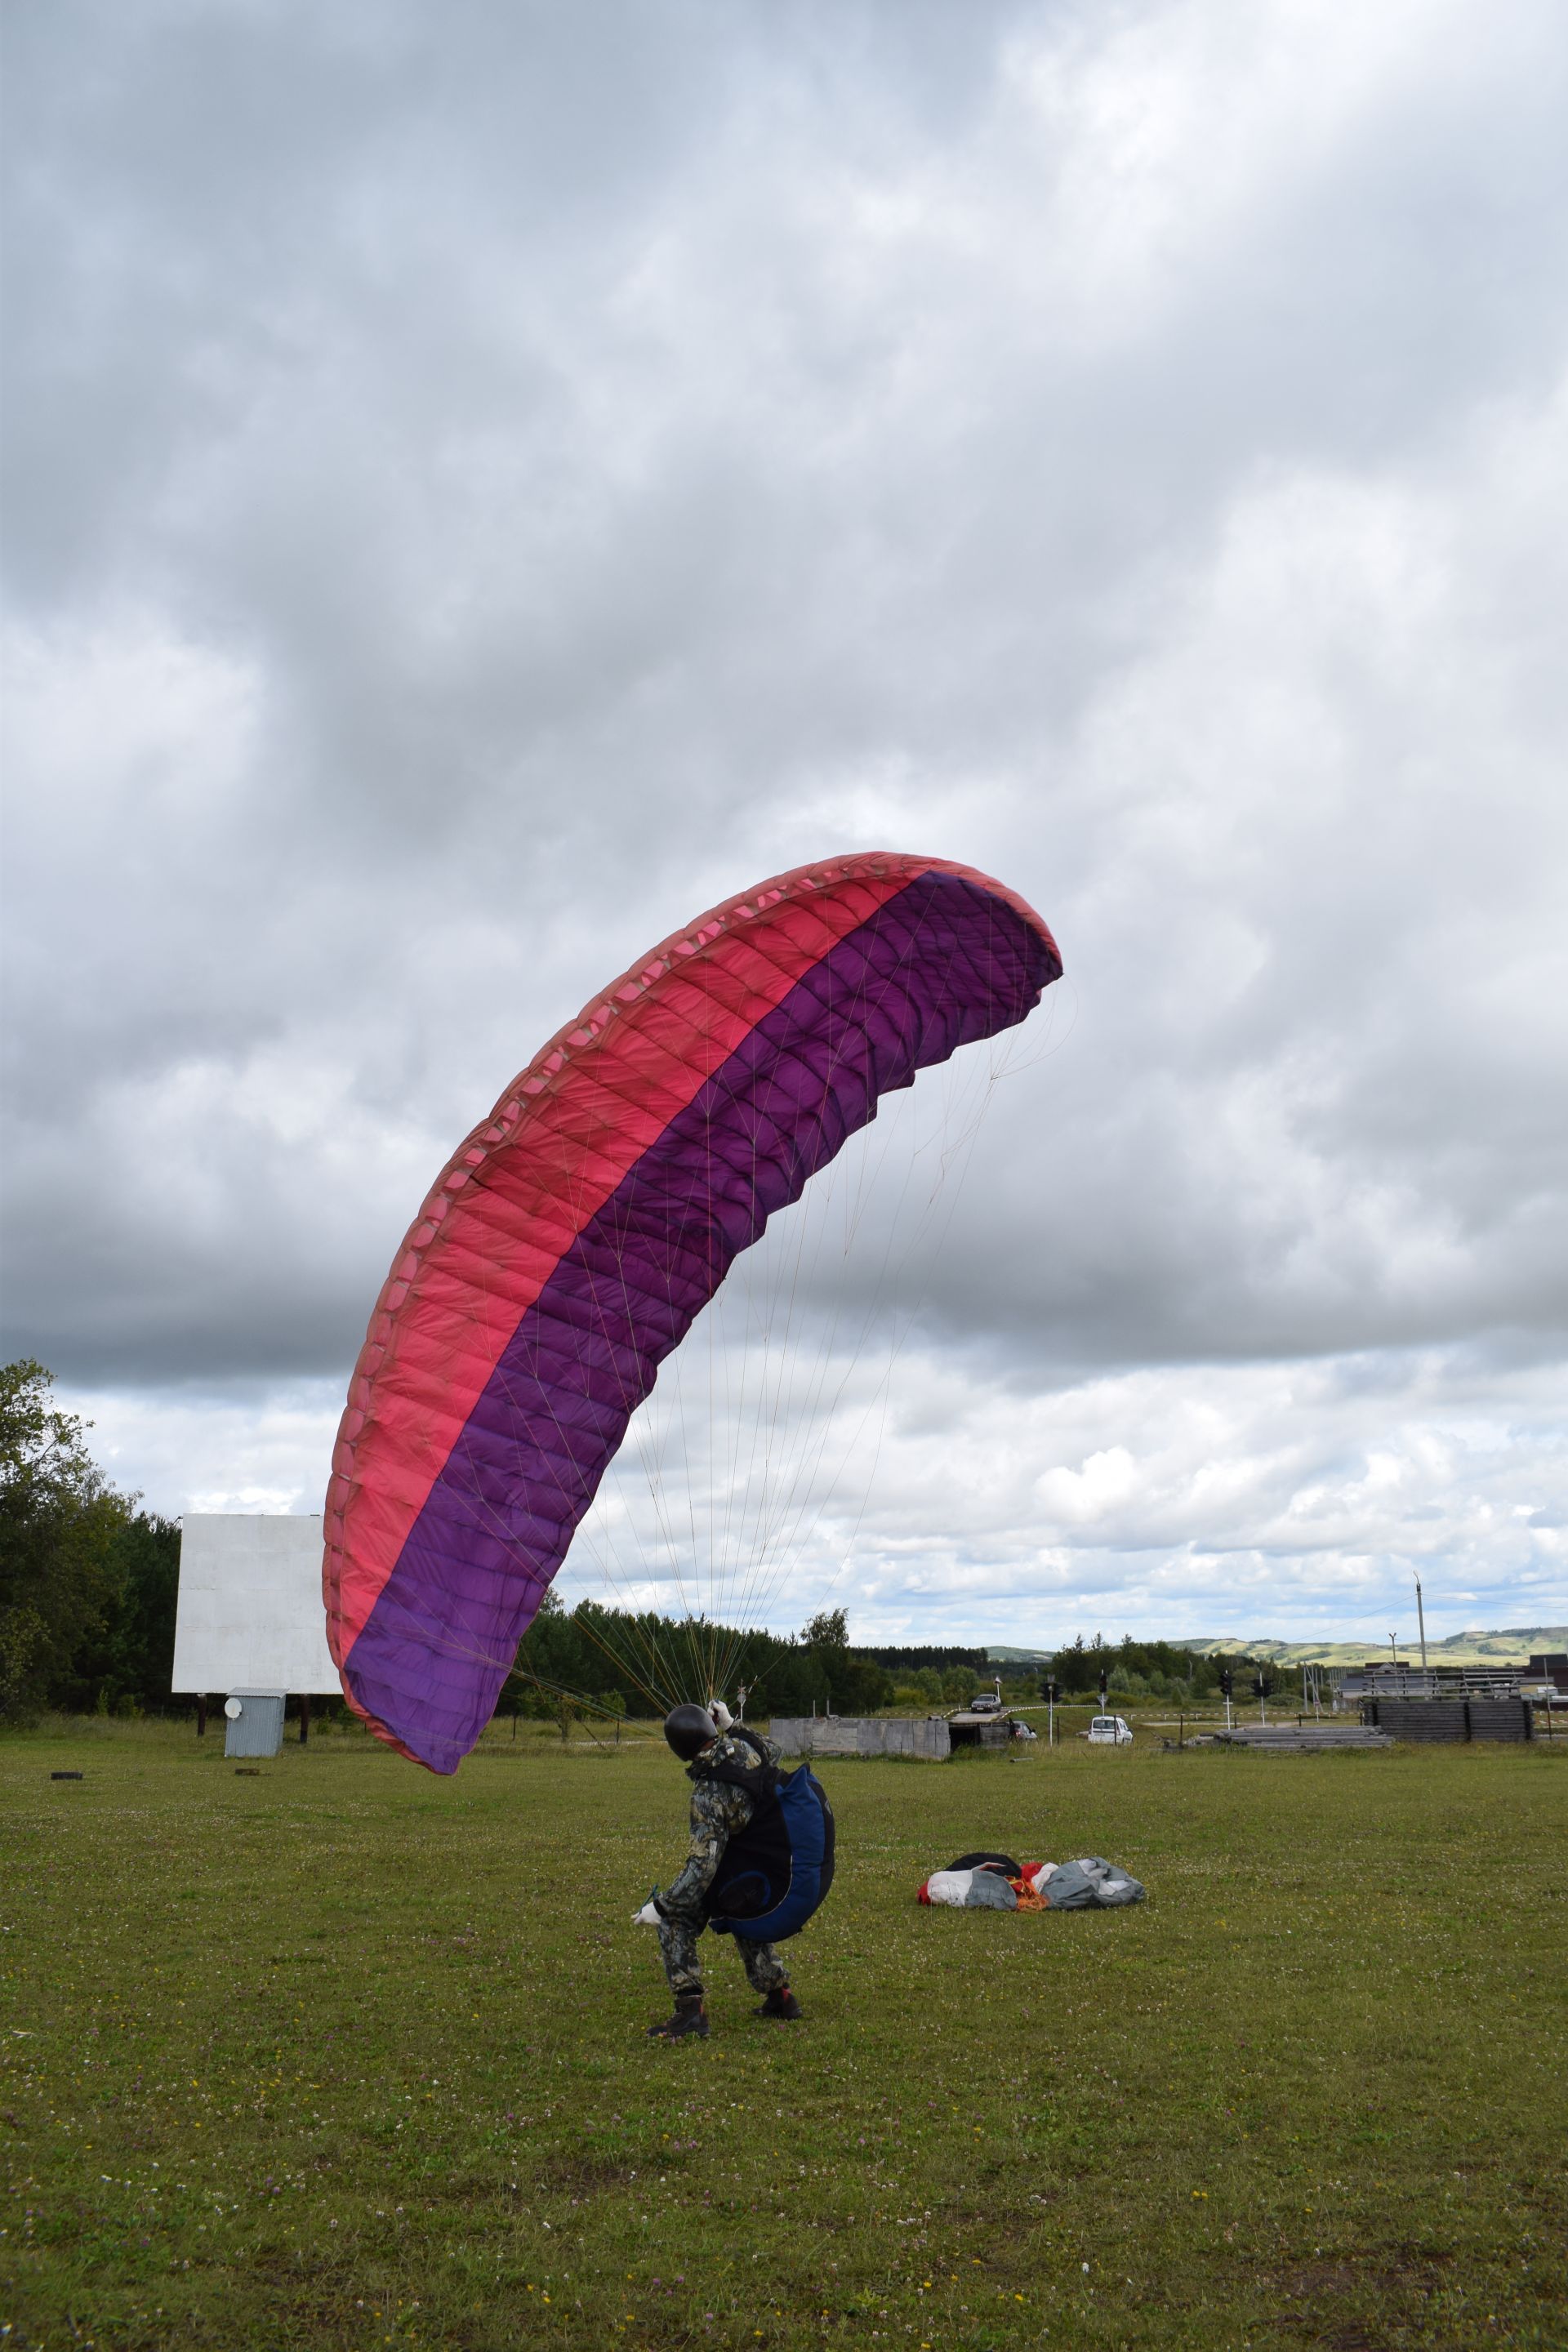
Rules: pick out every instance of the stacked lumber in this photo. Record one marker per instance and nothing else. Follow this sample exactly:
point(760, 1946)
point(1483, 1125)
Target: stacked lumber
point(1310, 1738)
point(1421, 1718)
point(1453, 1720)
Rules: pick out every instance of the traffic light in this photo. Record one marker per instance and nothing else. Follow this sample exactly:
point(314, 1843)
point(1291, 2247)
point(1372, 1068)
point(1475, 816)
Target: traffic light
point(1227, 1682)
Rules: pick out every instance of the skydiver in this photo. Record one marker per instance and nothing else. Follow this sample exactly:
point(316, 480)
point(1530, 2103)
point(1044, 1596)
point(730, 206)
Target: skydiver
point(717, 1755)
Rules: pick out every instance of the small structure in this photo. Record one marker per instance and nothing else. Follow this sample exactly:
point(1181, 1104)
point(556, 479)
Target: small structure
point(1450, 1719)
point(983, 1723)
point(924, 1736)
point(255, 1720)
point(250, 1622)
point(1312, 1737)
point(979, 1727)
point(1378, 1679)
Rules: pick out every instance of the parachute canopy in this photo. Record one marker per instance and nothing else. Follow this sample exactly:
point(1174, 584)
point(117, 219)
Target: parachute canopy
point(572, 1239)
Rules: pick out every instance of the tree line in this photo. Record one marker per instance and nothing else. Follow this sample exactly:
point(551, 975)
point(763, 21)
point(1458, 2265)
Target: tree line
point(87, 1579)
point(624, 1660)
point(1161, 1670)
point(89, 1582)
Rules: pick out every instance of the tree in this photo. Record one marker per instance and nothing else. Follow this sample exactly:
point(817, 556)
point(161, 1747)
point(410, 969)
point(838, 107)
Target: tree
point(828, 1630)
point(61, 1527)
point(129, 1663)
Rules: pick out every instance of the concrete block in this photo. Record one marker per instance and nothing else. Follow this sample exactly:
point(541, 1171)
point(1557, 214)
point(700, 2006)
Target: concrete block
point(923, 1737)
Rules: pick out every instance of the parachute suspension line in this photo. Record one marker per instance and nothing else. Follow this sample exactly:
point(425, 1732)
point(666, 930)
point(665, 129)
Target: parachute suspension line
point(779, 1515)
point(770, 1426)
point(646, 1671)
point(766, 1512)
point(954, 1153)
point(770, 1554)
point(783, 1508)
point(758, 1494)
point(696, 1617)
point(643, 1151)
point(882, 1393)
point(639, 1422)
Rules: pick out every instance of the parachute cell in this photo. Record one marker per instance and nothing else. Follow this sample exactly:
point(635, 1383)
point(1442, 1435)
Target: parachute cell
point(573, 1236)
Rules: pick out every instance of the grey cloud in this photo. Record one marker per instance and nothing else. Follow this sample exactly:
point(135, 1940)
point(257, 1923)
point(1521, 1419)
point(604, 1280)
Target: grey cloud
point(483, 486)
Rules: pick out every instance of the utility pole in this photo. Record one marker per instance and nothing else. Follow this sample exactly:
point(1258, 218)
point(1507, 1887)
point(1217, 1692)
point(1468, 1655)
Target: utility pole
point(1421, 1619)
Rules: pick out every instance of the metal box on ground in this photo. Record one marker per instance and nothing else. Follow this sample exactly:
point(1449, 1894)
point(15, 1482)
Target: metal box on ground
point(256, 1727)
point(1501, 1719)
point(1450, 1719)
point(1441, 1719)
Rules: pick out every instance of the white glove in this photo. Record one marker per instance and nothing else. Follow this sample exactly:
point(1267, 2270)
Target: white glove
point(650, 1916)
point(721, 1713)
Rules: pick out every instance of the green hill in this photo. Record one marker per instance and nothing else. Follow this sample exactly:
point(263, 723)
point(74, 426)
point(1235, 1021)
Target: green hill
point(1512, 1644)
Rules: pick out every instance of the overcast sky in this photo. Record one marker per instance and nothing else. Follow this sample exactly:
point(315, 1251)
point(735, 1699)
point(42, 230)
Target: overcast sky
point(483, 484)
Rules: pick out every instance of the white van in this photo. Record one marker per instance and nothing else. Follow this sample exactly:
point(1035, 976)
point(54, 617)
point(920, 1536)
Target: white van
point(1108, 1731)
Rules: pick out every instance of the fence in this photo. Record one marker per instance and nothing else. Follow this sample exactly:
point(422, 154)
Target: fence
point(1450, 1719)
point(925, 1736)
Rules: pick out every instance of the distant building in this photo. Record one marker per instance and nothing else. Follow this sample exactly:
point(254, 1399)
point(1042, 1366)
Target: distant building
point(1397, 1678)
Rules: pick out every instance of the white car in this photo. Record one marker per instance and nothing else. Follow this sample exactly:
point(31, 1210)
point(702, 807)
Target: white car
point(1108, 1731)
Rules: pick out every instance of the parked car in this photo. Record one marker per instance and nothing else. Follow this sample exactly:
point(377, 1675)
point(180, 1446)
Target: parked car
point(985, 1703)
point(1108, 1731)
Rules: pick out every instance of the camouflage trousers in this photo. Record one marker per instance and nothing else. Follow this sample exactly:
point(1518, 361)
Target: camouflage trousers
point(678, 1946)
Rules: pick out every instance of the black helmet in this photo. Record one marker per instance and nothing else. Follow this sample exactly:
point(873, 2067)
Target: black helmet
point(688, 1730)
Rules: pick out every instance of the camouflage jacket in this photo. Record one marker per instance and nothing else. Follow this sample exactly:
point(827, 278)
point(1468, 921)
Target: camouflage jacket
point(717, 1810)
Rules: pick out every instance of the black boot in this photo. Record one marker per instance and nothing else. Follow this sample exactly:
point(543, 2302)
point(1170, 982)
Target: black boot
point(690, 2017)
point(781, 2004)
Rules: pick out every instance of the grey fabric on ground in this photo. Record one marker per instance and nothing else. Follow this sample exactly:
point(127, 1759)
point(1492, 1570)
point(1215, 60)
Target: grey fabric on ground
point(1090, 1885)
point(989, 1893)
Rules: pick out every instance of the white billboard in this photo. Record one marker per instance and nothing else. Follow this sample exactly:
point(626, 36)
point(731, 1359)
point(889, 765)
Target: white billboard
point(250, 1614)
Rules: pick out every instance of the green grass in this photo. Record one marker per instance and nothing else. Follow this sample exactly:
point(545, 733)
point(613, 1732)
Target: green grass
point(344, 2055)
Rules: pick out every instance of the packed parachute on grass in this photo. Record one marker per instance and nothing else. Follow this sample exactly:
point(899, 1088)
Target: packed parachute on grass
point(995, 1882)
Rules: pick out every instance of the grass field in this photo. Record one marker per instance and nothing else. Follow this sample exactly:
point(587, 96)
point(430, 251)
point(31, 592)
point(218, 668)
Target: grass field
point(341, 2054)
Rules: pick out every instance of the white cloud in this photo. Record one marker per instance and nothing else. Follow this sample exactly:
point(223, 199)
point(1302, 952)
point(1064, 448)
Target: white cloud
point(1288, 1500)
point(501, 489)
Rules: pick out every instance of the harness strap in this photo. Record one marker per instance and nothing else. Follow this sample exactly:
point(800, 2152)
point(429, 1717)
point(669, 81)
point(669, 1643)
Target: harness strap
point(761, 1783)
